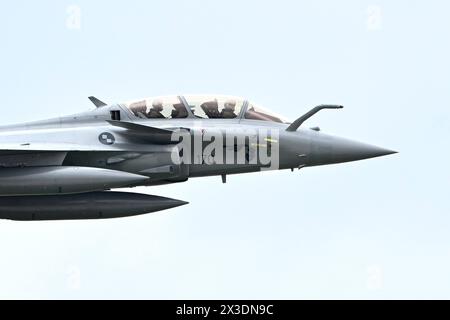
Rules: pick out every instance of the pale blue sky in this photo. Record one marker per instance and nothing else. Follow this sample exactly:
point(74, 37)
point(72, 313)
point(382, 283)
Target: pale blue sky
point(370, 229)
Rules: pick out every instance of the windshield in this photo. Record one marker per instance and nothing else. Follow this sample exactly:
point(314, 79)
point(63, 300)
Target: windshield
point(255, 112)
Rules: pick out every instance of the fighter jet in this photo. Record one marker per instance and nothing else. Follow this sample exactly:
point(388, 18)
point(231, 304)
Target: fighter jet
point(65, 168)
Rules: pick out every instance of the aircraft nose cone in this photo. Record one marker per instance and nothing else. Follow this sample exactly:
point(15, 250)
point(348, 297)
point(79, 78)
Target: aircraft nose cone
point(343, 150)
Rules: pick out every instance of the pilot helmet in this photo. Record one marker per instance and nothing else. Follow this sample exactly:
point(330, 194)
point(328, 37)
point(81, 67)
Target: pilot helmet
point(157, 105)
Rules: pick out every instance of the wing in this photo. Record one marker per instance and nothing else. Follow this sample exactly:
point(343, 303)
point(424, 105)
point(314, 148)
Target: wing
point(49, 147)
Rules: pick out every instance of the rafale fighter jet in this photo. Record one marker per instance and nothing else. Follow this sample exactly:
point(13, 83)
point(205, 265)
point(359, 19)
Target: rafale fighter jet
point(64, 168)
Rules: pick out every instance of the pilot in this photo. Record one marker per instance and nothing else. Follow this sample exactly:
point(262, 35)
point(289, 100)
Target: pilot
point(179, 111)
point(228, 110)
point(211, 109)
point(155, 110)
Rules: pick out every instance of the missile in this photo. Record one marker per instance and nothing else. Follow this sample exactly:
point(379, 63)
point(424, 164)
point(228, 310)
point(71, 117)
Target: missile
point(63, 180)
point(91, 205)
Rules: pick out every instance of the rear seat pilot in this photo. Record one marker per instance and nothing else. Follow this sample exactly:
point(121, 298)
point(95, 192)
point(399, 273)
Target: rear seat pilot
point(228, 110)
point(155, 110)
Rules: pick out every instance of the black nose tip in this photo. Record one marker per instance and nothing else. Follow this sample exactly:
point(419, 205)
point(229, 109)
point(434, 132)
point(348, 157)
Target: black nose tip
point(347, 150)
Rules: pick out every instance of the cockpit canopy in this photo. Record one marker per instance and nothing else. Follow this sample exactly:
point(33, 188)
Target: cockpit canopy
point(200, 106)
point(167, 107)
